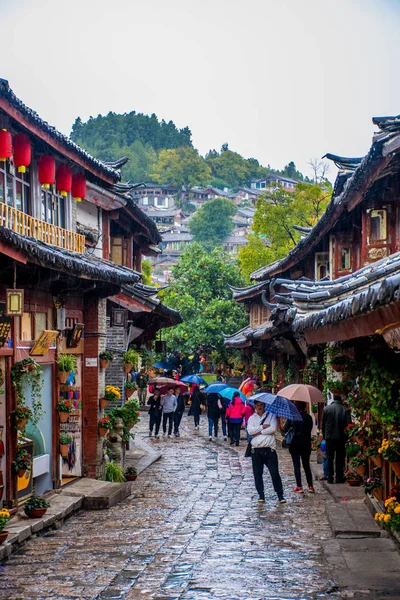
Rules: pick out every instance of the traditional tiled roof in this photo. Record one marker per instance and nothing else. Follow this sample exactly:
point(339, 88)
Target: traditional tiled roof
point(240, 294)
point(32, 116)
point(148, 296)
point(177, 237)
point(86, 266)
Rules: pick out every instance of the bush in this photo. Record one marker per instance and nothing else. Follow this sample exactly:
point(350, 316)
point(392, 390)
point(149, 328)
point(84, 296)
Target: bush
point(114, 472)
point(36, 502)
point(131, 471)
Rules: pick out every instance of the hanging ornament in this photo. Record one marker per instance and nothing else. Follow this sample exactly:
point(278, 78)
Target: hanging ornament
point(47, 171)
point(78, 186)
point(22, 152)
point(5, 145)
point(64, 179)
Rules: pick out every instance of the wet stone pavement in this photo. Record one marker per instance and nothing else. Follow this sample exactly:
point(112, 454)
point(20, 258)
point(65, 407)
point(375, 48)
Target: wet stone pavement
point(191, 530)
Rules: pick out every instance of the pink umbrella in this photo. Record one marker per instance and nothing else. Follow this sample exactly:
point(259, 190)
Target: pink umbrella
point(302, 393)
point(184, 388)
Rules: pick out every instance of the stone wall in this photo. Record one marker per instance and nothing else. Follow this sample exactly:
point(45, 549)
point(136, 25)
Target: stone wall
point(116, 341)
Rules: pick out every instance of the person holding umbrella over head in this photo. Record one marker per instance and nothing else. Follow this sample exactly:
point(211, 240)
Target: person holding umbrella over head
point(300, 447)
point(155, 412)
point(180, 409)
point(197, 403)
point(169, 404)
point(235, 413)
point(262, 427)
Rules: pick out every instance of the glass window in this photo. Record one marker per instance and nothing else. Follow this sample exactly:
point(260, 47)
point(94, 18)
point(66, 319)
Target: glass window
point(345, 259)
point(378, 225)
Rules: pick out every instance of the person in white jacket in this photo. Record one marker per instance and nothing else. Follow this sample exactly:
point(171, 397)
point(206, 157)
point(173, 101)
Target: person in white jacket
point(262, 428)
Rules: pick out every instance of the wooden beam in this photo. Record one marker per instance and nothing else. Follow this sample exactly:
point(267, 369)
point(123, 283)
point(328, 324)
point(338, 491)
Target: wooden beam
point(13, 253)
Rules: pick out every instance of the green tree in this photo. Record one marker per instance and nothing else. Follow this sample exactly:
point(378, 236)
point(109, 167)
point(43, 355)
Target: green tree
point(253, 256)
point(199, 290)
point(278, 210)
point(183, 167)
point(213, 222)
point(146, 272)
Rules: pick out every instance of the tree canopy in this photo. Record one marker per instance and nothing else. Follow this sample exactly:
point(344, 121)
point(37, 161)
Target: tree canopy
point(183, 167)
point(199, 290)
point(212, 222)
point(253, 256)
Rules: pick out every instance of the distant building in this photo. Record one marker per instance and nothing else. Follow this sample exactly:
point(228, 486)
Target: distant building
point(165, 219)
point(153, 194)
point(285, 182)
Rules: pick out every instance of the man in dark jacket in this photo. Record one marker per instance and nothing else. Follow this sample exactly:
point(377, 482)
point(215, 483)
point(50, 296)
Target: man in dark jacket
point(180, 409)
point(335, 418)
point(213, 414)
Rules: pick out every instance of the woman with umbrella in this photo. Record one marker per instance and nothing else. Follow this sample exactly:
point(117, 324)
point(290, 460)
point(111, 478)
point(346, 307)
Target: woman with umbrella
point(197, 401)
point(300, 447)
point(235, 414)
point(155, 412)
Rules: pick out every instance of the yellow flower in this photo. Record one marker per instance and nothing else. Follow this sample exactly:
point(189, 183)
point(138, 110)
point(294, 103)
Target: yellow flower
point(380, 450)
point(390, 501)
point(397, 509)
point(377, 517)
point(386, 518)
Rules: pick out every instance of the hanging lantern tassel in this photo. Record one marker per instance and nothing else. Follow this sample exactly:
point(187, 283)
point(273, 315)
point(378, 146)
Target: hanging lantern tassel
point(22, 152)
point(47, 171)
point(64, 179)
point(78, 186)
point(5, 145)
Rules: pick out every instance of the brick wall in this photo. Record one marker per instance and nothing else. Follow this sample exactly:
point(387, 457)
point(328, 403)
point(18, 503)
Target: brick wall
point(116, 340)
point(93, 384)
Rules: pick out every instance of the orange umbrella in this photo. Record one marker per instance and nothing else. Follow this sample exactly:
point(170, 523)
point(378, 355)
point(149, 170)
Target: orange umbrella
point(302, 393)
point(247, 386)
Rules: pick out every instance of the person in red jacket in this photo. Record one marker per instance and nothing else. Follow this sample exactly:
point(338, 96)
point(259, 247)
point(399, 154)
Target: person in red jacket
point(235, 412)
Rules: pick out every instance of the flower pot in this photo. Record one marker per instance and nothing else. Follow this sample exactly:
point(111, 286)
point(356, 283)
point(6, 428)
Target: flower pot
point(35, 513)
point(360, 470)
point(63, 376)
point(102, 431)
point(104, 363)
point(128, 367)
point(353, 482)
point(378, 493)
point(21, 472)
point(63, 416)
point(128, 393)
point(64, 450)
point(377, 460)
point(104, 403)
point(130, 477)
point(3, 536)
point(21, 423)
point(396, 467)
point(336, 367)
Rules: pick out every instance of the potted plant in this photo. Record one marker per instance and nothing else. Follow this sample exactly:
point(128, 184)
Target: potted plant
point(357, 463)
point(4, 518)
point(130, 359)
point(373, 485)
point(391, 518)
point(104, 425)
point(64, 408)
point(338, 362)
point(353, 479)
point(130, 388)
point(390, 450)
point(105, 358)
point(112, 393)
point(66, 364)
point(352, 449)
point(65, 440)
point(35, 507)
point(27, 374)
point(130, 473)
point(22, 462)
point(114, 472)
point(372, 453)
point(22, 414)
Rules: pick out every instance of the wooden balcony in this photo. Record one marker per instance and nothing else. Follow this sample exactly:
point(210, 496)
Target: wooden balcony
point(24, 224)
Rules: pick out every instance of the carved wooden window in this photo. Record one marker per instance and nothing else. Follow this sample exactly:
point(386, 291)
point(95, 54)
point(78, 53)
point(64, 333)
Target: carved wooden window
point(255, 314)
point(321, 265)
point(377, 225)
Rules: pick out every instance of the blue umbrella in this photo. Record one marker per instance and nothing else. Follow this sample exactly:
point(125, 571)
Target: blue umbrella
point(165, 366)
point(229, 391)
point(194, 379)
point(215, 388)
point(278, 406)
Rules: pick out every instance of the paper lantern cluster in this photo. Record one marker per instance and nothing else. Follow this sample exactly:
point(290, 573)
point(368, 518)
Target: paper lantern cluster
point(20, 150)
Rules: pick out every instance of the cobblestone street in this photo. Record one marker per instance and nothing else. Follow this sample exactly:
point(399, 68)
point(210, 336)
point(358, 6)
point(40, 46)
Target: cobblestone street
point(191, 530)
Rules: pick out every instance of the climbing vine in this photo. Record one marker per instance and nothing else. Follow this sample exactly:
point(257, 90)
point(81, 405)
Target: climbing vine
point(24, 373)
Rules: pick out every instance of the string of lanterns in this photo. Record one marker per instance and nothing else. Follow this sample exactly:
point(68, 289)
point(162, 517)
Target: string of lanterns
point(64, 179)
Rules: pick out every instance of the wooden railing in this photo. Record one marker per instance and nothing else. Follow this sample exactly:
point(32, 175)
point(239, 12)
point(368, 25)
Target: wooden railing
point(24, 224)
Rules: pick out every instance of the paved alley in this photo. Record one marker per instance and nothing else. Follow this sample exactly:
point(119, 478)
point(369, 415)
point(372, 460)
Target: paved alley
point(191, 530)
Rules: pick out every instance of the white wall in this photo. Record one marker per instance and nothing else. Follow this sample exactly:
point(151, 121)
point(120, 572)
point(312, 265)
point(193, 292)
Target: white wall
point(90, 215)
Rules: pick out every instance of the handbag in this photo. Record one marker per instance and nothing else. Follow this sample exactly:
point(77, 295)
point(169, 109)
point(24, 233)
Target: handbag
point(249, 447)
point(288, 437)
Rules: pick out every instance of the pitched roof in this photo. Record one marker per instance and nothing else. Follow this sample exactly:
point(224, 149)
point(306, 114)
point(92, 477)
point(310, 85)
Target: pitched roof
point(33, 118)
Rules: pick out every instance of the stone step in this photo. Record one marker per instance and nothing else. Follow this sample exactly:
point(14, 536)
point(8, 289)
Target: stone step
point(351, 519)
point(98, 494)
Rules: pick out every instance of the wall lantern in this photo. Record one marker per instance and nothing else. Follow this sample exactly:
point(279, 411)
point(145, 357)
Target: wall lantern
point(22, 152)
point(5, 145)
point(15, 302)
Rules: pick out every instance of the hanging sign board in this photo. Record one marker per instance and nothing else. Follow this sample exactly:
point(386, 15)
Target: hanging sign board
point(43, 343)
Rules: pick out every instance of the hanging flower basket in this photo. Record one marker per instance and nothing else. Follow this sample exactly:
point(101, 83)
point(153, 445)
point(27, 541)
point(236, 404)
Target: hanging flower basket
point(337, 367)
point(64, 450)
point(128, 367)
point(63, 376)
point(377, 460)
point(396, 467)
point(104, 363)
point(104, 403)
point(361, 469)
point(21, 472)
point(103, 431)
point(63, 416)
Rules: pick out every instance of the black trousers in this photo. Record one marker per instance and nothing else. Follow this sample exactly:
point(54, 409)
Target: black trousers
point(177, 421)
point(336, 455)
point(304, 457)
point(235, 432)
point(269, 458)
point(170, 418)
point(155, 421)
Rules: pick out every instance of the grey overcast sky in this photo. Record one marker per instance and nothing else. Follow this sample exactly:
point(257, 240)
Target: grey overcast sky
point(278, 80)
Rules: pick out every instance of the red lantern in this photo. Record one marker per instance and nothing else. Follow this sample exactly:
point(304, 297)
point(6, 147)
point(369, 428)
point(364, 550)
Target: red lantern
point(64, 179)
point(47, 171)
point(22, 152)
point(78, 186)
point(5, 145)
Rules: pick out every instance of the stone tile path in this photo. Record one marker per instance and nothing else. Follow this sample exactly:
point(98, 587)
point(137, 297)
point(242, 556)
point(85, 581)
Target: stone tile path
point(192, 530)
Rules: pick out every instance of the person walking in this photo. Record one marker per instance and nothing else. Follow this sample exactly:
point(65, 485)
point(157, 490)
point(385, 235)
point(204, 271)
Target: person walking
point(213, 414)
point(235, 413)
point(300, 447)
point(196, 361)
point(262, 427)
point(142, 380)
point(169, 404)
point(155, 412)
point(197, 400)
point(248, 411)
point(223, 404)
point(180, 409)
point(335, 418)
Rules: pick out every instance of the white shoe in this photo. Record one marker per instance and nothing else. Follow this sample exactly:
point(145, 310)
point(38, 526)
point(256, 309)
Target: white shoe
point(169, 435)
